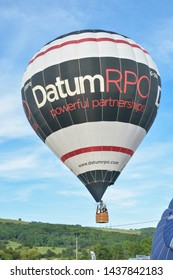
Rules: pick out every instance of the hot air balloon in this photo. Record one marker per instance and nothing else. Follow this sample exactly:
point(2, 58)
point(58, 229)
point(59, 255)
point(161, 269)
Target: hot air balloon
point(92, 96)
point(162, 244)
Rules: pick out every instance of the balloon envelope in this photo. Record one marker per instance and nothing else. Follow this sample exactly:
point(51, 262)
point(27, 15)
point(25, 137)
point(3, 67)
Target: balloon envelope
point(92, 96)
point(162, 245)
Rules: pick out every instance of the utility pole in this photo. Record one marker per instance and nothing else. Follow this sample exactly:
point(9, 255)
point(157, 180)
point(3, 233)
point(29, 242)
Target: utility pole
point(76, 247)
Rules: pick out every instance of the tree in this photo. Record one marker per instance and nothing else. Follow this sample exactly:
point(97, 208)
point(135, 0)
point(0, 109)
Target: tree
point(145, 246)
point(30, 253)
point(50, 254)
point(116, 251)
point(102, 252)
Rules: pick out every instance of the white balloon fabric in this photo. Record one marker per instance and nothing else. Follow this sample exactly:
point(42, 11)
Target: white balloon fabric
point(162, 245)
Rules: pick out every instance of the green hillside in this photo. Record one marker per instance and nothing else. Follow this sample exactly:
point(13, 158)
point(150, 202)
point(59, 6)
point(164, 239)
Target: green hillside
point(13, 221)
point(36, 240)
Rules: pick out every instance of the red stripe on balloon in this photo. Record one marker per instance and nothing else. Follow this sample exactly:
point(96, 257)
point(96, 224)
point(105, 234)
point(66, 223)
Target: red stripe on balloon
point(97, 149)
point(71, 42)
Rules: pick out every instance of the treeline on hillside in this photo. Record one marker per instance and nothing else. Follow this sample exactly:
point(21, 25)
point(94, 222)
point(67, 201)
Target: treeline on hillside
point(106, 244)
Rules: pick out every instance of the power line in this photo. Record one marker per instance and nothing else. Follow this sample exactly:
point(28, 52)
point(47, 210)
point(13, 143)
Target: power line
point(145, 222)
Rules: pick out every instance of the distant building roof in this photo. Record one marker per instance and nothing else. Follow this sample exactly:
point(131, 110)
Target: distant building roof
point(140, 257)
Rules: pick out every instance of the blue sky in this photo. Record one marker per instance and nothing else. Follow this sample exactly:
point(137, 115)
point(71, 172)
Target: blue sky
point(34, 184)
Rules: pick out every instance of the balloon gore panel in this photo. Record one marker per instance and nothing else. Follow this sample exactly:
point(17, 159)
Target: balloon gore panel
point(162, 244)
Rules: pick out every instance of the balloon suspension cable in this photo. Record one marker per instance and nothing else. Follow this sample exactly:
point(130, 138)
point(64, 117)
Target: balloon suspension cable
point(101, 207)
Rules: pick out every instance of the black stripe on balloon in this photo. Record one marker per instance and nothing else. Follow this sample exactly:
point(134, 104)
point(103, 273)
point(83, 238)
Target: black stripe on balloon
point(125, 101)
point(84, 31)
point(97, 181)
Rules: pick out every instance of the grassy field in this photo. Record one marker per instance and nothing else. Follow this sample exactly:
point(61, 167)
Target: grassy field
point(42, 250)
point(13, 245)
point(13, 221)
point(128, 231)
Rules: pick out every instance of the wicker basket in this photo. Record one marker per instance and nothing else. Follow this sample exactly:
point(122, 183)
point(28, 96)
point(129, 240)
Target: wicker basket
point(102, 217)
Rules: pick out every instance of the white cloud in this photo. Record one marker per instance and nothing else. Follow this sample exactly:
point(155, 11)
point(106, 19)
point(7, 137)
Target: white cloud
point(160, 45)
point(80, 192)
point(12, 163)
point(17, 46)
point(122, 197)
point(43, 22)
point(21, 194)
point(26, 163)
point(14, 128)
point(155, 157)
point(16, 165)
point(13, 121)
